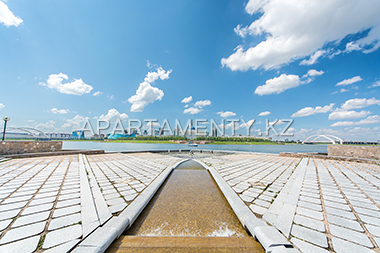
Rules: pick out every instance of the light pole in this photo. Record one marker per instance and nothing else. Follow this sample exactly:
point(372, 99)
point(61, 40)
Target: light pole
point(6, 119)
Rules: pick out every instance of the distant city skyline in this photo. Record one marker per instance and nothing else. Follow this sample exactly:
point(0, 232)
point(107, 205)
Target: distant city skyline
point(314, 62)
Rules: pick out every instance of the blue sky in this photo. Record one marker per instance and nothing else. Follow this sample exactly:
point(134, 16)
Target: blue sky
point(316, 62)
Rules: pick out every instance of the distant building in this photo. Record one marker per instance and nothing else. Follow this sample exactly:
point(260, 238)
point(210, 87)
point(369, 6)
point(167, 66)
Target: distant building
point(214, 132)
point(79, 134)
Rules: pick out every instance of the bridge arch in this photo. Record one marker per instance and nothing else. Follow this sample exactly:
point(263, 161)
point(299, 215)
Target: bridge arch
point(316, 139)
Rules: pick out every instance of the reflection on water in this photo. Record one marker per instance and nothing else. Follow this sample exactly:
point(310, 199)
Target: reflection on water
point(111, 146)
point(189, 204)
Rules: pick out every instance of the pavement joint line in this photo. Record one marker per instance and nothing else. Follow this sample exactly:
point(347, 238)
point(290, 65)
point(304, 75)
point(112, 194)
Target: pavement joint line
point(30, 200)
point(366, 232)
point(98, 242)
point(269, 237)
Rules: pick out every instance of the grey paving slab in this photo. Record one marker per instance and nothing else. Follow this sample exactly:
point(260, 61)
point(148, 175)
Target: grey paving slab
point(340, 212)
point(310, 213)
point(65, 247)
point(4, 224)
point(307, 247)
point(9, 214)
point(23, 232)
point(258, 209)
point(35, 202)
point(63, 235)
point(350, 235)
point(28, 219)
point(308, 222)
point(66, 211)
point(309, 235)
point(370, 219)
point(117, 208)
point(8, 207)
point(26, 245)
point(342, 246)
point(69, 202)
point(37, 208)
point(344, 222)
point(375, 230)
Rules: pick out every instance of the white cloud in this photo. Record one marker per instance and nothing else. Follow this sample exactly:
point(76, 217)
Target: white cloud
point(295, 29)
point(97, 93)
point(264, 113)
point(2, 106)
point(376, 84)
point(77, 87)
point(7, 18)
point(307, 111)
point(313, 58)
point(313, 72)
point(62, 111)
point(146, 93)
point(187, 100)
point(358, 103)
point(160, 73)
point(375, 119)
point(349, 81)
point(74, 123)
point(343, 114)
point(226, 114)
point(278, 84)
point(202, 103)
point(110, 96)
point(192, 110)
point(48, 125)
point(113, 114)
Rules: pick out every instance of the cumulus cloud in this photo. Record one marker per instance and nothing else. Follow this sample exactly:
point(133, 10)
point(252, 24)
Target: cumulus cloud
point(48, 125)
point(264, 113)
point(202, 103)
point(62, 111)
point(192, 110)
point(278, 84)
point(313, 72)
point(97, 93)
point(343, 114)
point(376, 84)
point(307, 111)
point(295, 29)
point(146, 93)
point(2, 106)
point(358, 103)
point(226, 114)
point(113, 114)
point(7, 18)
point(313, 58)
point(77, 87)
point(349, 81)
point(74, 123)
point(187, 100)
point(375, 119)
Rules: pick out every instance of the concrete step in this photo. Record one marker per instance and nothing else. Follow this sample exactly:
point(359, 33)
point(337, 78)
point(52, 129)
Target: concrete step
point(184, 244)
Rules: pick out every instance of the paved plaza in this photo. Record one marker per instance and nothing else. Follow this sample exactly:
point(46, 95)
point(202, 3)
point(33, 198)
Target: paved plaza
point(56, 203)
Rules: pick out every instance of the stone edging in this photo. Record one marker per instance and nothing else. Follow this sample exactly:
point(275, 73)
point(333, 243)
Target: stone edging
point(338, 158)
point(56, 153)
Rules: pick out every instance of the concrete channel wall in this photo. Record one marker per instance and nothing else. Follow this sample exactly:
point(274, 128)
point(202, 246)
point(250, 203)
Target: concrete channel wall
point(369, 152)
point(22, 147)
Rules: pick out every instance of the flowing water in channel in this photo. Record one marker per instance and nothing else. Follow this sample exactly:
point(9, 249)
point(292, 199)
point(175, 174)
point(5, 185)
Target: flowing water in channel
point(188, 204)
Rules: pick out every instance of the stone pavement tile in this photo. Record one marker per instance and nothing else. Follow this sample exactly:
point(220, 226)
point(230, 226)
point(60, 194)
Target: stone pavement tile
point(63, 235)
point(350, 235)
point(310, 195)
point(367, 211)
point(9, 214)
point(66, 211)
point(246, 198)
point(65, 247)
point(64, 221)
point(262, 203)
point(311, 200)
point(16, 199)
point(373, 230)
point(68, 196)
point(35, 202)
point(344, 222)
point(365, 205)
point(68, 202)
point(49, 189)
point(23, 232)
point(310, 223)
point(310, 213)
point(340, 212)
point(45, 195)
point(26, 245)
point(111, 196)
point(117, 208)
point(377, 240)
point(115, 201)
point(19, 193)
point(266, 198)
point(342, 246)
point(309, 205)
point(337, 205)
point(12, 206)
point(68, 191)
point(307, 247)
point(28, 219)
point(369, 219)
point(130, 197)
point(258, 209)
point(38, 208)
point(4, 224)
point(309, 235)
point(335, 199)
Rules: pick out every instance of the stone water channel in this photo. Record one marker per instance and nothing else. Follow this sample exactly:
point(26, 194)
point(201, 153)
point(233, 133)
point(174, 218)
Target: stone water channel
point(188, 213)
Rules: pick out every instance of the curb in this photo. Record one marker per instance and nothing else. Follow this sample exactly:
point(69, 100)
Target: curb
point(101, 238)
point(269, 237)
